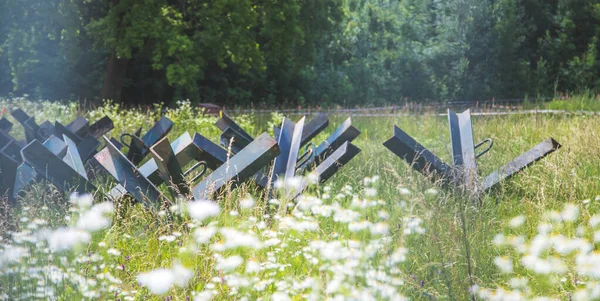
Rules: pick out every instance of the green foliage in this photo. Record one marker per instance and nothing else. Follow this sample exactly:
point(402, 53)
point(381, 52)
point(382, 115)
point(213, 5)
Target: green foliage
point(349, 52)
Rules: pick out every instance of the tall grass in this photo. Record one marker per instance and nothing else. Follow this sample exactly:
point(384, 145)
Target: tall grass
point(355, 237)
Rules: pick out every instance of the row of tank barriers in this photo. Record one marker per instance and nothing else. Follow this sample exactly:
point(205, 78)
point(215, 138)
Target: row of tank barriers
point(71, 156)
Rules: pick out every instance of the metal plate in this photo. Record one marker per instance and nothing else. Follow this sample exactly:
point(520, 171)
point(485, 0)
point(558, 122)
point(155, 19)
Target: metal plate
point(212, 154)
point(226, 122)
point(135, 153)
point(289, 145)
point(5, 125)
point(19, 115)
point(533, 155)
point(129, 176)
point(344, 133)
point(310, 130)
point(31, 129)
point(24, 176)
point(80, 126)
point(60, 130)
point(238, 143)
point(463, 148)
point(13, 150)
point(337, 160)
point(4, 139)
point(53, 168)
point(73, 159)
point(239, 168)
point(313, 128)
point(88, 147)
point(8, 171)
point(169, 168)
point(157, 132)
point(101, 127)
point(331, 165)
point(185, 151)
point(45, 130)
point(56, 146)
point(421, 159)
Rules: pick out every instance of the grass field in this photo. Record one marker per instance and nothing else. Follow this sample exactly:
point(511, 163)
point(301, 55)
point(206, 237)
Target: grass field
point(376, 231)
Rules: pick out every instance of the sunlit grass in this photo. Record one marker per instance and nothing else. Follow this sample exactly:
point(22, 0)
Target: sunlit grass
point(402, 217)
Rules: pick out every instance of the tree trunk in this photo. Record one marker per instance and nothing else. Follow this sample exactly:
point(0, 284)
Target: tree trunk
point(115, 76)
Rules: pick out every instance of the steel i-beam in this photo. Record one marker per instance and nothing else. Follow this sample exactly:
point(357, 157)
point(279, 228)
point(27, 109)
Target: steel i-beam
point(79, 126)
point(5, 125)
point(344, 133)
point(25, 173)
point(139, 148)
point(129, 176)
point(463, 148)
point(73, 159)
point(53, 168)
point(185, 151)
point(239, 168)
point(421, 159)
point(533, 155)
point(231, 138)
point(310, 130)
point(226, 122)
point(169, 167)
point(289, 140)
point(101, 127)
point(340, 157)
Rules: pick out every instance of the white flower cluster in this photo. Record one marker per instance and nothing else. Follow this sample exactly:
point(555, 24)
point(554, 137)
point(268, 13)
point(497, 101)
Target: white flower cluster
point(562, 250)
point(38, 260)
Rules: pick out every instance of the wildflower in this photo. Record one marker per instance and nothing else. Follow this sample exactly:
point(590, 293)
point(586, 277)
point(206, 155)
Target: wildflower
point(247, 203)
point(380, 229)
point(358, 226)
point(113, 252)
point(95, 218)
point(404, 191)
point(203, 235)
point(235, 239)
point(280, 296)
point(167, 238)
point(570, 213)
point(504, 264)
point(182, 275)
point(252, 267)
point(158, 281)
point(517, 221)
point(206, 295)
point(81, 201)
point(229, 263)
point(66, 238)
point(398, 256)
point(370, 192)
point(203, 209)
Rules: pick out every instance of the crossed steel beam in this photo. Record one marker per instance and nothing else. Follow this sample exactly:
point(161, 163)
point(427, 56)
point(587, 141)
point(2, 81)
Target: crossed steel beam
point(290, 138)
point(168, 161)
point(60, 158)
point(65, 153)
point(463, 173)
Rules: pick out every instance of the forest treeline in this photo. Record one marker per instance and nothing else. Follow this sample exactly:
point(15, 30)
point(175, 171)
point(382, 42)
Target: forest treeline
point(284, 52)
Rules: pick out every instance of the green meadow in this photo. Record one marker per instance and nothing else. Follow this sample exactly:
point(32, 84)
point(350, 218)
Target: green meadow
point(377, 230)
